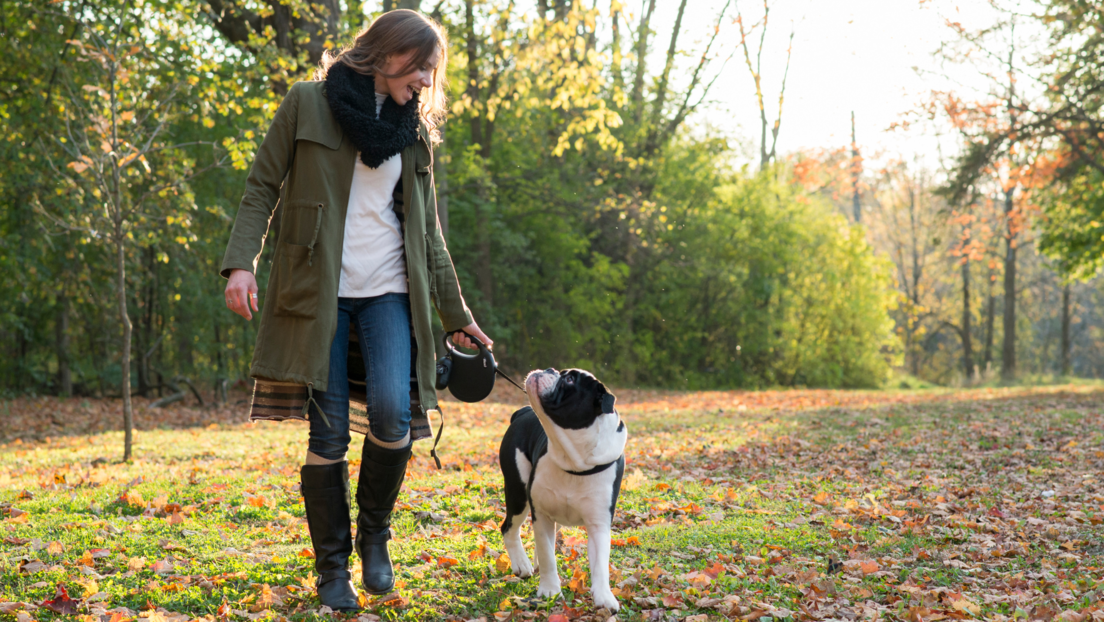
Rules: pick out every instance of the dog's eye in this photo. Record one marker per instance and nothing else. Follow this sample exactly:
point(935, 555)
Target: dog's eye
point(569, 380)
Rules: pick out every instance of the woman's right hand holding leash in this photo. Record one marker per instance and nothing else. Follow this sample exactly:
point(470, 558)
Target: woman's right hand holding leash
point(241, 293)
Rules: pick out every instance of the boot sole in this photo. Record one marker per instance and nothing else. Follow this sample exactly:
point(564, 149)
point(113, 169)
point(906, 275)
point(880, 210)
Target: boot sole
point(378, 592)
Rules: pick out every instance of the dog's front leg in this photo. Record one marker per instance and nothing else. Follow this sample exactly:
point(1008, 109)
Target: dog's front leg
point(598, 550)
point(511, 539)
point(544, 541)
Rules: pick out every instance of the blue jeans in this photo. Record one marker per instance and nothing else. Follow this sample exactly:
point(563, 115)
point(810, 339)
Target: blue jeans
point(383, 328)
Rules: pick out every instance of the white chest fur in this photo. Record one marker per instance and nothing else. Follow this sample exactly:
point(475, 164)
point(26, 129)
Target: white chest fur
point(573, 500)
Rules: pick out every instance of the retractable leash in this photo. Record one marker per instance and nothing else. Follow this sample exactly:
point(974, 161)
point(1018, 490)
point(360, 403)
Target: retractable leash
point(469, 377)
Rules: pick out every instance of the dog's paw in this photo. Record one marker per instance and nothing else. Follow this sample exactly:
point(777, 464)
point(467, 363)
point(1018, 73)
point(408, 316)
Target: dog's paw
point(522, 567)
point(548, 590)
point(606, 599)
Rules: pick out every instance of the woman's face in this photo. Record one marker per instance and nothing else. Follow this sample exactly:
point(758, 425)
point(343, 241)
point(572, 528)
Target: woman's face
point(402, 88)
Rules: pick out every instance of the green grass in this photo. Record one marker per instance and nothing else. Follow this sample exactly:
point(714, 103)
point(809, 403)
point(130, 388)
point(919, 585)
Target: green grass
point(735, 505)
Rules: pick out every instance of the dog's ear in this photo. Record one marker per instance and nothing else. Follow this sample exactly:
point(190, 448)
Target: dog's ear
point(608, 399)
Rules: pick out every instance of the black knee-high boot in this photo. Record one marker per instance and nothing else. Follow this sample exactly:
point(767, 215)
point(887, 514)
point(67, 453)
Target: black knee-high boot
point(381, 476)
point(326, 498)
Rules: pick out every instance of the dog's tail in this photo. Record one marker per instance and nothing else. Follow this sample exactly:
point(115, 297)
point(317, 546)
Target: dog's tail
point(520, 412)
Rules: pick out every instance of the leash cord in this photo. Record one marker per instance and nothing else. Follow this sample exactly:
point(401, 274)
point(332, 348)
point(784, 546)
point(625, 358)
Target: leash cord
point(512, 381)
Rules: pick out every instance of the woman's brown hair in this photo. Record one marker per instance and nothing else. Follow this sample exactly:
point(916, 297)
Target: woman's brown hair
point(392, 34)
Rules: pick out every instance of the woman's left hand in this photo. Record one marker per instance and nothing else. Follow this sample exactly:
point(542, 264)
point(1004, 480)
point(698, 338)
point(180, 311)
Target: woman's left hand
point(463, 340)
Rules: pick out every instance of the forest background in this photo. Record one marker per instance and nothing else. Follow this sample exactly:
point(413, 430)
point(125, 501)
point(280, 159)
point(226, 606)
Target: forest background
point(596, 217)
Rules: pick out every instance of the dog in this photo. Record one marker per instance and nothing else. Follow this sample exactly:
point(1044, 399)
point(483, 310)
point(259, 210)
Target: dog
point(563, 458)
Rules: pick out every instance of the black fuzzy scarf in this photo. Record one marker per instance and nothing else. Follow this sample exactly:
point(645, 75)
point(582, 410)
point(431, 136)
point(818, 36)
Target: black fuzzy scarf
point(352, 98)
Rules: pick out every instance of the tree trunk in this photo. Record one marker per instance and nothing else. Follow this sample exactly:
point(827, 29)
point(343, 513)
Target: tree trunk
point(917, 271)
point(642, 33)
point(967, 341)
point(856, 170)
point(473, 73)
point(124, 318)
point(561, 9)
point(628, 309)
point(1008, 351)
point(306, 29)
point(145, 332)
point(615, 46)
point(484, 276)
point(1066, 330)
point(661, 89)
point(218, 348)
point(64, 374)
point(990, 319)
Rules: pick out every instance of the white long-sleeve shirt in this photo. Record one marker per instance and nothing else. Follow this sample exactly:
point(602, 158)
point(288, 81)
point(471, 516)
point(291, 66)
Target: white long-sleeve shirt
point(372, 258)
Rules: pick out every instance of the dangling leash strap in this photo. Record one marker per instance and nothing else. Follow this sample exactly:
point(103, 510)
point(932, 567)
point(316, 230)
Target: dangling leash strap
point(440, 429)
point(311, 400)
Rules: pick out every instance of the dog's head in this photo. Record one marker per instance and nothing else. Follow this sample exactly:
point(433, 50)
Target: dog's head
point(572, 399)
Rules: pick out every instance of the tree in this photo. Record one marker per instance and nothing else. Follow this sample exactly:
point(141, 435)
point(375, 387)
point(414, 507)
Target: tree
point(288, 37)
point(995, 150)
point(756, 69)
point(117, 165)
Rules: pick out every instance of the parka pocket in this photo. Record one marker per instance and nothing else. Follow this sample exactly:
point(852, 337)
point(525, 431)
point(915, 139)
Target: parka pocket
point(302, 221)
point(298, 282)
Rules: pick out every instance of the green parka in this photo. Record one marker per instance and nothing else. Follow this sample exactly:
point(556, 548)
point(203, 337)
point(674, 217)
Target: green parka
point(306, 164)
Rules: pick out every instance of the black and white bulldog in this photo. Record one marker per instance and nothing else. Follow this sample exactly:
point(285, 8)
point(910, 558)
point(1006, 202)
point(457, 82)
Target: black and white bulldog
point(563, 458)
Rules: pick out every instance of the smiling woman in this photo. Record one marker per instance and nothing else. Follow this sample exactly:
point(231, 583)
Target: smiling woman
point(406, 58)
point(359, 265)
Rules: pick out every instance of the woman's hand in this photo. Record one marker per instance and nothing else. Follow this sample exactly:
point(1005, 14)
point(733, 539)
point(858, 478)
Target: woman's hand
point(464, 341)
point(241, 292)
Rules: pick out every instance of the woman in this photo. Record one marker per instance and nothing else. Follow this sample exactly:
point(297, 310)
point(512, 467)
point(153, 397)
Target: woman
point(359, 260)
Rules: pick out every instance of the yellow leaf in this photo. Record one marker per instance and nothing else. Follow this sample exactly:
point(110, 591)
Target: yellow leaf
point(966, 606)
point(502, 564)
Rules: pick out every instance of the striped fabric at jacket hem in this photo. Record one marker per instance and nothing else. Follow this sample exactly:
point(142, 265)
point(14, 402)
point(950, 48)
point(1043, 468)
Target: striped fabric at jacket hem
point(282, 401)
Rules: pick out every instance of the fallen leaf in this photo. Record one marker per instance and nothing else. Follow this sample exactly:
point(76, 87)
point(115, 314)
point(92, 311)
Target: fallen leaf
point(162, 567)
point(671, 600)
point(61, 603)
point(31, 567)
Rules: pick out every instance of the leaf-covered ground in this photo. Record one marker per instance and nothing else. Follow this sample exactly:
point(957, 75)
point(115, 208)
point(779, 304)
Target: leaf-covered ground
point(816, 505)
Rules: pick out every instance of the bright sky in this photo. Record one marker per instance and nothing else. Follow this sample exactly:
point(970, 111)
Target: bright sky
point(847, 55)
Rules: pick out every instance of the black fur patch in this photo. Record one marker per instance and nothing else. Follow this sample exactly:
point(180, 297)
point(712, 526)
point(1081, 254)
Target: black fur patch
point(577, 400)
point(352, 98)
point(608, 400)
